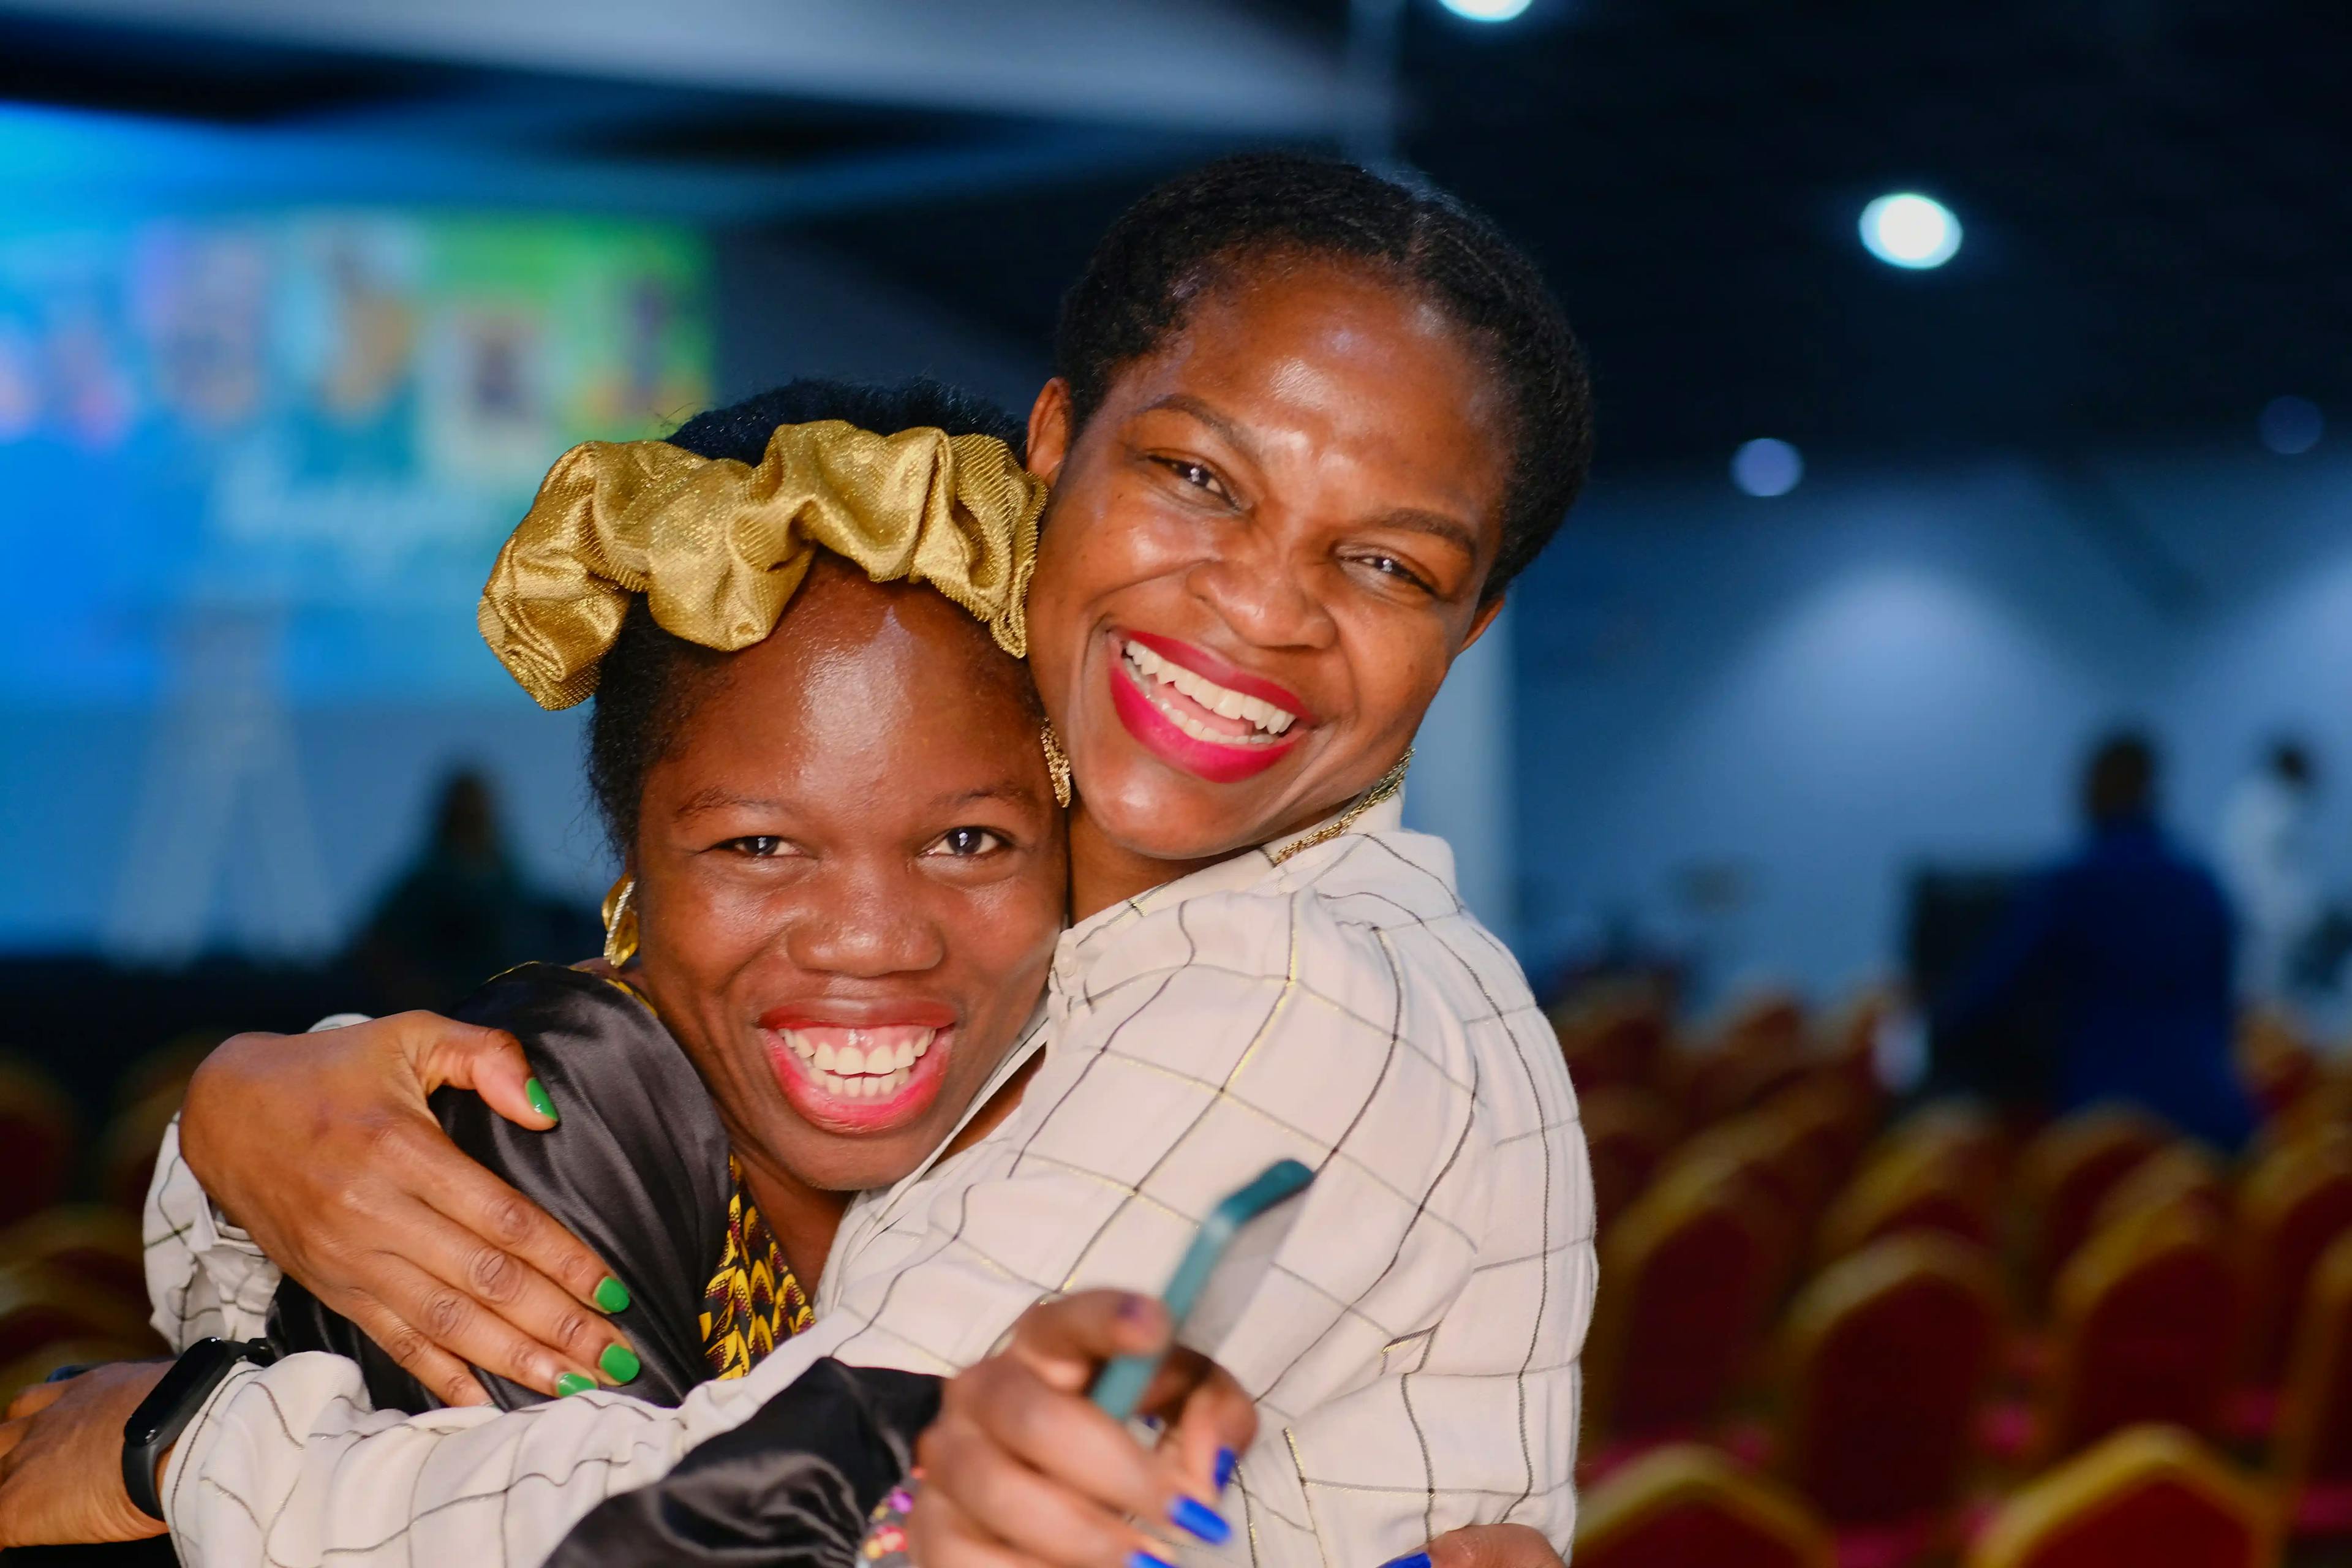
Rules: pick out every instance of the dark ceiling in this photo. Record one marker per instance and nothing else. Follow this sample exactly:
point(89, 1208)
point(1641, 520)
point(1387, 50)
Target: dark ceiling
point(2158, 215)
point(2156, 200)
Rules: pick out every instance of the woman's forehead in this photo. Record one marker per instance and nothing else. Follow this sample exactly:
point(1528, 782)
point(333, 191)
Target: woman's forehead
point(853, 662)
point(1337, 364)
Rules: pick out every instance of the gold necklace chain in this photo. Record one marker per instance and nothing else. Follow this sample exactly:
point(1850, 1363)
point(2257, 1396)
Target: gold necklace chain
point(1383, 788)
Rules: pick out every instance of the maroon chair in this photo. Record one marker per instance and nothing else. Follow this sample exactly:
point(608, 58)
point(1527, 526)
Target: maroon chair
point(2147, 1313)
point(1887, 1353)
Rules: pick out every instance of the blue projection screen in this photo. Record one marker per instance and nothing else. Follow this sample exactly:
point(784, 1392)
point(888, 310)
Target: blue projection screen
point(318, 424)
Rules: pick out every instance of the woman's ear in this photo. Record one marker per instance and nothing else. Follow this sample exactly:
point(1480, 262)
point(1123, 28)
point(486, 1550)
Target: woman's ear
point(1049, 430)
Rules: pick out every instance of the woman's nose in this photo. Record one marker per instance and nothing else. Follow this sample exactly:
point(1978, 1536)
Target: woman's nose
point(1262, 592)
point(865, 930)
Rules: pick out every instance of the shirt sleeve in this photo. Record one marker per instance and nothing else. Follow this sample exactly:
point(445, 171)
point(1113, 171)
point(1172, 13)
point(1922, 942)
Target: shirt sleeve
point(205, 1276)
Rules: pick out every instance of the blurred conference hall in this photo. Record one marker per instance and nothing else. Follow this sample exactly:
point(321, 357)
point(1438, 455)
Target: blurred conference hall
point(1916, 781)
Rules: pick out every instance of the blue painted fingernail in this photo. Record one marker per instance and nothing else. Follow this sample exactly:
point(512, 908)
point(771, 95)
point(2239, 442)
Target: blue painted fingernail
point(1226, 1460)
point(1198, 1520)
point(1139, 1558)
point(1410, 1560)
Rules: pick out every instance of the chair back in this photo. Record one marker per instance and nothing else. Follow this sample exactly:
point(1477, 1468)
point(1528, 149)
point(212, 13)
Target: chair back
point(1831, 1116)
point(39, 1307)
point(2152, 1495)
point(1627, 1132)
point(127, 1150)
point(2313, 1441)
point(1904, 1187)
point(1773, 1155)
point(2065, 1173)
point(99, 1247)
point(2145, 1321)
point(1611, 1040)
point(37, 1140)
point(2181, 1172)
point(1684, 1506)
point(1887, 1352)
point(1688, 1271)
point(1959, 1135)
point(2295, 1201)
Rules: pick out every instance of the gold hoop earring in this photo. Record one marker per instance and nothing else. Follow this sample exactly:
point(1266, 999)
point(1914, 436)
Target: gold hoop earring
point(621, 923)
point(1057, 765)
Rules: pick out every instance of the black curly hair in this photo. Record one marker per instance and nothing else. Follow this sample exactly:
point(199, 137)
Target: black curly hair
point(1197, 231)
point(651, 680)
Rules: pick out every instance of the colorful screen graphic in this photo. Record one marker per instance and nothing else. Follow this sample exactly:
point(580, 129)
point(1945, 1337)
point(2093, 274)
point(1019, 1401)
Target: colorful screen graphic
point(317, 424)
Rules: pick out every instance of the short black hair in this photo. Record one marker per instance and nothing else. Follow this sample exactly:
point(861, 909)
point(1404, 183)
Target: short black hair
point(649, 682)
point(2120, 783)
point(1202, 229)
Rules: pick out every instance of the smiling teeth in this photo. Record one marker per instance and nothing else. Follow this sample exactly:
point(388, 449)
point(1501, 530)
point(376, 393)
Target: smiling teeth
point(1222, 700)
point(857, 1069)
point(864, 1086)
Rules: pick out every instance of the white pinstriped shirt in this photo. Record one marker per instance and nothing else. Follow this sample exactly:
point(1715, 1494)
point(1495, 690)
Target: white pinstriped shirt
point(1411, 1342)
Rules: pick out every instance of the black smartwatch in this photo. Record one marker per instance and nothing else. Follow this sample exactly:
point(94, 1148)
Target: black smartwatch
point(171, 1403)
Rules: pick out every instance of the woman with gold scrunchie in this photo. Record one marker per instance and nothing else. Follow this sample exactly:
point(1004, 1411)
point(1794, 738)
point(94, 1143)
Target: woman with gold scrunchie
point(820, 761)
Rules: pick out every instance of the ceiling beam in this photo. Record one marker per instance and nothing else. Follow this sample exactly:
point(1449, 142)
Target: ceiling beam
point(1194, 65)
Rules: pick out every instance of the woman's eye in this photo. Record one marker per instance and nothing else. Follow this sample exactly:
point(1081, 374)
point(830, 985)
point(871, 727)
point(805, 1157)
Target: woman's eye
point(760, 846)
point(965, 843)
point(1200, 476)
point(1389, 566)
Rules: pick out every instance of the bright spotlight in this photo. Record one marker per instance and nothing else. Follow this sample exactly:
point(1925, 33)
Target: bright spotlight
point(1487, 10)
point(1907, 229)
point(2291, 425)
point(1766, 468)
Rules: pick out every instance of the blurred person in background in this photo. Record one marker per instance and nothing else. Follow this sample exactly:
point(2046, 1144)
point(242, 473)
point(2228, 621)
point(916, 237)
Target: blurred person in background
point(462, 910)
point(2129, 944)
point(2266, 864)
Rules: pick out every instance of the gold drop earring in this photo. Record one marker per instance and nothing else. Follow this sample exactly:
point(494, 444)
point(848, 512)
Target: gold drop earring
point(621, 923)
point(1057, 765)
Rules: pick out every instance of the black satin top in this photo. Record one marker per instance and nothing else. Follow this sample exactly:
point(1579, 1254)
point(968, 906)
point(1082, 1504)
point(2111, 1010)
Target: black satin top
point(637, 1168)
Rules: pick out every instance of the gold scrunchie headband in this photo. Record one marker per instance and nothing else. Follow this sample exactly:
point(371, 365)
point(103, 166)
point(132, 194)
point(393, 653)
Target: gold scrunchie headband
point(717, 547)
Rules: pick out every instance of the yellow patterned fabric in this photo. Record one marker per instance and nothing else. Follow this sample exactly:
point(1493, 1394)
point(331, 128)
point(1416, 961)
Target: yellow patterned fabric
point(717, 547)
point(754, 1301)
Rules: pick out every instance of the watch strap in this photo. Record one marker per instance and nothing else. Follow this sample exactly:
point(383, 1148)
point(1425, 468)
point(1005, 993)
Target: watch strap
point(171, 1403)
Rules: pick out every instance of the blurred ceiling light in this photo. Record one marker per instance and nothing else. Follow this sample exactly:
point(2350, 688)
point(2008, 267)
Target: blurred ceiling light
point(1907, 229)
point(1766, 468)
point(2291, 425)
point(1487, 10)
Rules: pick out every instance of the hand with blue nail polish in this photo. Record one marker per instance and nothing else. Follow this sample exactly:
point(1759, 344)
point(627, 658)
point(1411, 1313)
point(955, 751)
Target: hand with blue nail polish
point(1022, 1465)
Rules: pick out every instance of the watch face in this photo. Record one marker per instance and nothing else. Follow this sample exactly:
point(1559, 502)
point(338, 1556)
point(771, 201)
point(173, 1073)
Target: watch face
point(168, 1408)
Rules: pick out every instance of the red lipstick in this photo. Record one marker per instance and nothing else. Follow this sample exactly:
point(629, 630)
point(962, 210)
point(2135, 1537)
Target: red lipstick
point(1150, 708)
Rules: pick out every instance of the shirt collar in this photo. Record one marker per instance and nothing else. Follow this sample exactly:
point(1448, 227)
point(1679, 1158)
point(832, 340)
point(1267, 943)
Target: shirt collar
point(1232, 874)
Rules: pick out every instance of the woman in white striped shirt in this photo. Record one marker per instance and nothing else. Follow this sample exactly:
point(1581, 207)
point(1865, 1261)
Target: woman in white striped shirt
point(1307, 427)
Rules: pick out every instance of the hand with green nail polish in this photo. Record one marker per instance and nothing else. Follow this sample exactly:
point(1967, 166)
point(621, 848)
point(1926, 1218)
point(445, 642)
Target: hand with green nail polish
point(361, 1196)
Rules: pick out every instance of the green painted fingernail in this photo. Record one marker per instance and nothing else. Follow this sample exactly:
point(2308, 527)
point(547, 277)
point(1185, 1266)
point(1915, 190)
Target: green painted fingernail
point(536, 1092)
point(612, 1295)
point(571, 1382)
point(620, 1364)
